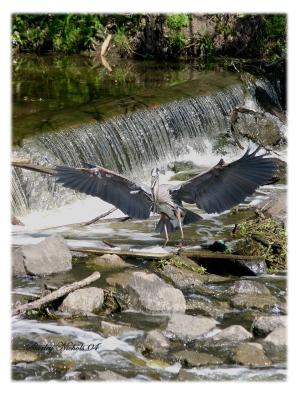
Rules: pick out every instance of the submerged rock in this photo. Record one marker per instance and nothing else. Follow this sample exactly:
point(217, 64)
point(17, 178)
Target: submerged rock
point(149, 293)
point(249, 287)
point(23, 356)
point(191, 359)
point(96, 375)
point(251, 354)
point(185, 175)
point(234, 333)
point(49, 256)
point(187, 327)
point(260, 302)
point(178, 166)
point(112, 329)
point(83, 301)
point(214, 309)
point(263, 325)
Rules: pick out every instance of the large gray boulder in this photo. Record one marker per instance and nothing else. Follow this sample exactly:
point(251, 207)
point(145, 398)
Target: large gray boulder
point(147, 292)
point(254, 301)
point(234, 333)
point(249, 287)
point(83, 301)
point(277, 338)
point(263, 325)
point(251, 354)
point(188, 327)
point(49, 256)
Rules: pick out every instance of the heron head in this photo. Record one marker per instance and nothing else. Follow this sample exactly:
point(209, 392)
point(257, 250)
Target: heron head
point(154, 176)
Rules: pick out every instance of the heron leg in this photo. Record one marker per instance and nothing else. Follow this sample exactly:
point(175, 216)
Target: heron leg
point(178, 215)
point(167, 236)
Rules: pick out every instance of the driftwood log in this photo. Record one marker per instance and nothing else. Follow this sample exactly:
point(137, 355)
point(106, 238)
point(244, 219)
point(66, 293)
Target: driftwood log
point(61, 292)
point(134, 253)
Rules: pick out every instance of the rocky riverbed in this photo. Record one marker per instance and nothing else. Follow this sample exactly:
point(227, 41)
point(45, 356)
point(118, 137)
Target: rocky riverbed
point(144, 319)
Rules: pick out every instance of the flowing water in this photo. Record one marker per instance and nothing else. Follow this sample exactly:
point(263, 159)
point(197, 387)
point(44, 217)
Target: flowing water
point(70, 110)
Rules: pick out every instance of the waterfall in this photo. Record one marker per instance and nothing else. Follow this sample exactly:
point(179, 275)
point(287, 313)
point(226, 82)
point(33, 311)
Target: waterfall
point(130, 144)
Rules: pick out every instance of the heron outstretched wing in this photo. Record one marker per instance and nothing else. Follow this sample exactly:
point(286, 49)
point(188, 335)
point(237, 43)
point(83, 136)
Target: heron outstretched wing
point(132, 199)
point(226, 185)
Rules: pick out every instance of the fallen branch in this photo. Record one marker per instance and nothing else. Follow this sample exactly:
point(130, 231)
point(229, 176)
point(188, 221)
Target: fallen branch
point(135, 253)
point(217, 255)
point(124, 253)
point(61, 292)
point(105, 45)
point(27, 164)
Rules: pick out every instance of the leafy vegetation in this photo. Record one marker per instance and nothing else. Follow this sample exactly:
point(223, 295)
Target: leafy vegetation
point(154, 36)
point(177, 21)
point(266, 238)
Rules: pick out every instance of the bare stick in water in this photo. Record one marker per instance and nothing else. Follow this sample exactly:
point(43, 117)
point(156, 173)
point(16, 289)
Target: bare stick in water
point(61, 292)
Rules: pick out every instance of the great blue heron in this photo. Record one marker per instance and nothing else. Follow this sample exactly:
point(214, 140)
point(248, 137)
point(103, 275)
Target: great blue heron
point(216, 190)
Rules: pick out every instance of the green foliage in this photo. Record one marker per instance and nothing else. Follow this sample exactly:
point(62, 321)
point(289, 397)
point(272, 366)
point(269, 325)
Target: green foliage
point(177, 40)
point(121, 40)
point(68, 33)
point(206, 45)
point(177, 21)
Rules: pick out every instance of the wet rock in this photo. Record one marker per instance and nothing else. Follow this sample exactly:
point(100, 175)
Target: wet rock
point(253, 267)
point(153, 342)
point(99, 376)
point(251, 354)
point(249, 287)
point(277, 338)
point(281, 174)
point(251, 301)
point(185, 375)
point(181, 278)
point(187, 327)
point(149, 293)
point(234, 333)
point(275, 206)
point(258, 127)
point(23, 356)
point(83, 301)
point(47, 257)
point(178, 166)
point(265, 324)
point(185, 175)
point(16, 221)
point(191, 359)
point(109, 261)
point(112, 329)
point(18, 267)
point(214, 309)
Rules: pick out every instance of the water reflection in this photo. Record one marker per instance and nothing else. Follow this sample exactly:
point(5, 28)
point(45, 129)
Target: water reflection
point(53, 92)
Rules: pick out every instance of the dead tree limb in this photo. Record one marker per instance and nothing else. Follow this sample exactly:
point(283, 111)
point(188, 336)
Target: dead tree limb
point(61, 292)
point(27, 164)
